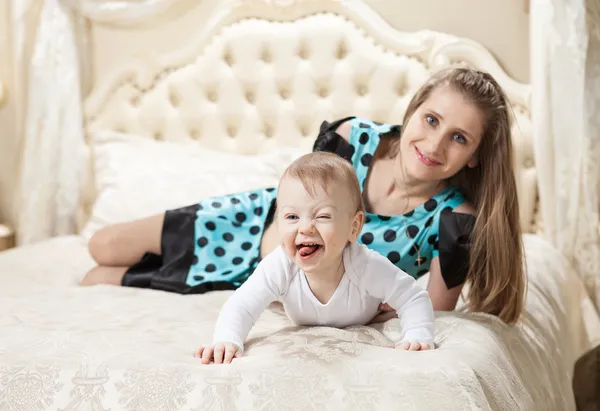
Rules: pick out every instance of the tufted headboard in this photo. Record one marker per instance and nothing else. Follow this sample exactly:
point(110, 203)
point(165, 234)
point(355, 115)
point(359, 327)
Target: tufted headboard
point(265, 73)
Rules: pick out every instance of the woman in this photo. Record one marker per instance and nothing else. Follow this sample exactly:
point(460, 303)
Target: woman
point(440, 195)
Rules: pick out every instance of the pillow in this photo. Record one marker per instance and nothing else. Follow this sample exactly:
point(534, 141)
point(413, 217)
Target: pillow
point(136, 177)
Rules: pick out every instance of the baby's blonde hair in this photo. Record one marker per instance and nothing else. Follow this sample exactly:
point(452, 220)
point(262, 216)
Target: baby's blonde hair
point(325, 168)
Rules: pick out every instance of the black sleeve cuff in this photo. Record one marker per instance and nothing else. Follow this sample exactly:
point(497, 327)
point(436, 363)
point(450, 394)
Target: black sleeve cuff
point(330, 141)
point(455, 246)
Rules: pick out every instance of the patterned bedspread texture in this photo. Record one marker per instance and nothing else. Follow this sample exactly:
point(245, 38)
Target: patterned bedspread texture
point(66, 347)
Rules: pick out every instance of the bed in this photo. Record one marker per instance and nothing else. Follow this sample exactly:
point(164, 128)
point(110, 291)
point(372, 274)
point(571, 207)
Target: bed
point(228, 111)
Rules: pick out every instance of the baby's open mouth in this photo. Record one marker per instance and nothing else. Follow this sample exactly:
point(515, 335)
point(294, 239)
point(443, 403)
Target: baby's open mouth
point(307, 249)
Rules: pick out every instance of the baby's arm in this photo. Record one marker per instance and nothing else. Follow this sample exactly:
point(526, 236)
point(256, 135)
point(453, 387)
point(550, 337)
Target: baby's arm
point(393, 286)
point(241, 311)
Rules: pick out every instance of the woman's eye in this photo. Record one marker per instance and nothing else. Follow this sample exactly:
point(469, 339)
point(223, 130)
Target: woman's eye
point(431, 120)
point(459, 138)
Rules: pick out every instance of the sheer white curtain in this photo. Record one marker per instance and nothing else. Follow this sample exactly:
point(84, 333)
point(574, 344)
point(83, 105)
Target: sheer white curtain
point(53, 140)
point(565, 75)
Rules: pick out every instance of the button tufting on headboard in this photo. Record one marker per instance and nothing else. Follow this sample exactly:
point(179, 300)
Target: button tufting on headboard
point(173, 98)
point(284, 93)
point(342, 50)
point(228, 57)
point(211, 95)
point(250, 96)
point(257, 84)
point(265, 54)
point(231, 130)
point(303, 51)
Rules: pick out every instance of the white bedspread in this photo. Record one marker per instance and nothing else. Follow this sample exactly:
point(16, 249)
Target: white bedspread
point(67, 347)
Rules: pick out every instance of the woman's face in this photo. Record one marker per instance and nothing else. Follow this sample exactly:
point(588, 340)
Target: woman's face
point(442, 136)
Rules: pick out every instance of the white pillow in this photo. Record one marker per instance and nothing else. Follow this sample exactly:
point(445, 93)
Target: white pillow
point(136, 177)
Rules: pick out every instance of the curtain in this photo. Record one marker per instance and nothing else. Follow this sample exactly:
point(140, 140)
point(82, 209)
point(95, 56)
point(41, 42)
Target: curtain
point(565, 77)
point(53, 147)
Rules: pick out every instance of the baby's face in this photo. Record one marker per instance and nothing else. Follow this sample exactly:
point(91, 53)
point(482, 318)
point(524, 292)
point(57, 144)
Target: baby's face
point(314, 229)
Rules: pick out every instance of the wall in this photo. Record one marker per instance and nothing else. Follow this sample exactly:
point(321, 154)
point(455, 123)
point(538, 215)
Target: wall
point(502, 26)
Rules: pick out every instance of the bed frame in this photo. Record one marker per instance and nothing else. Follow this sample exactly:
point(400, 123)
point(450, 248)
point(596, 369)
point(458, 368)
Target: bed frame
point(248, 76)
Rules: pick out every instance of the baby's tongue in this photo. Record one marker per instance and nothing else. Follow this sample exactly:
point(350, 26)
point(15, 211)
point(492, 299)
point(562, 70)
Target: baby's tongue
point(307, 250)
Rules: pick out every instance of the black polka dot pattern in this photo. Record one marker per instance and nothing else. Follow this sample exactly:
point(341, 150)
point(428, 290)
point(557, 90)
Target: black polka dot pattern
point(230, 243)
point(364, 138)
point(412, 231)
point(195, 260)
point(431, 205)
point(365, 160)
point(429, 222)
point(367, 238)
point(389, 236)
point(394, 257)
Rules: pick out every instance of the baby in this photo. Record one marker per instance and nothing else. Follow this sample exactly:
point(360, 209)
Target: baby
point(319, 272)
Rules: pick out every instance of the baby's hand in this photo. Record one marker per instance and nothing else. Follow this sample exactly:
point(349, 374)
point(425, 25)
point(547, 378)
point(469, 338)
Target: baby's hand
point(414, 346)
point(221, 353)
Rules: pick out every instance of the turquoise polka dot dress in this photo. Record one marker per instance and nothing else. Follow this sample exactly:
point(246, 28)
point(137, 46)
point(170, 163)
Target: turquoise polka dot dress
point(215, 244)
point(410, 240)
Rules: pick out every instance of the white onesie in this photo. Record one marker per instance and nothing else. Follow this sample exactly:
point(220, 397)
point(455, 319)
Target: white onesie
point(369, 279)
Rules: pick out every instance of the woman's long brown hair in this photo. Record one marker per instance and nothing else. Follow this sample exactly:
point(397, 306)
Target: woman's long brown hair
point(496, 272)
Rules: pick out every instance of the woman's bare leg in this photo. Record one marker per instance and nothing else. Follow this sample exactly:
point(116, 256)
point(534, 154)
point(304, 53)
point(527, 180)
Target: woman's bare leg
point(117, 247)
point(104, 275)
point(124, 244)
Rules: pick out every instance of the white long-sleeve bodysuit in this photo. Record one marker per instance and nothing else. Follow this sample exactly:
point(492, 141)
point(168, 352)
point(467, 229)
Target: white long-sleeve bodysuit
point(369, 279)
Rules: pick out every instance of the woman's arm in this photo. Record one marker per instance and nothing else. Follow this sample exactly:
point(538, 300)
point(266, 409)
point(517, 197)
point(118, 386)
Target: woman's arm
point(442, 298)
point(344, 130)
point(445, 299)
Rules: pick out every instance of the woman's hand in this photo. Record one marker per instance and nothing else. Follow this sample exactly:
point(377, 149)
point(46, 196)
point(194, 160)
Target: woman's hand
point(414, 346)
point(387, 313)
point(384, 307)
point(220, 353)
